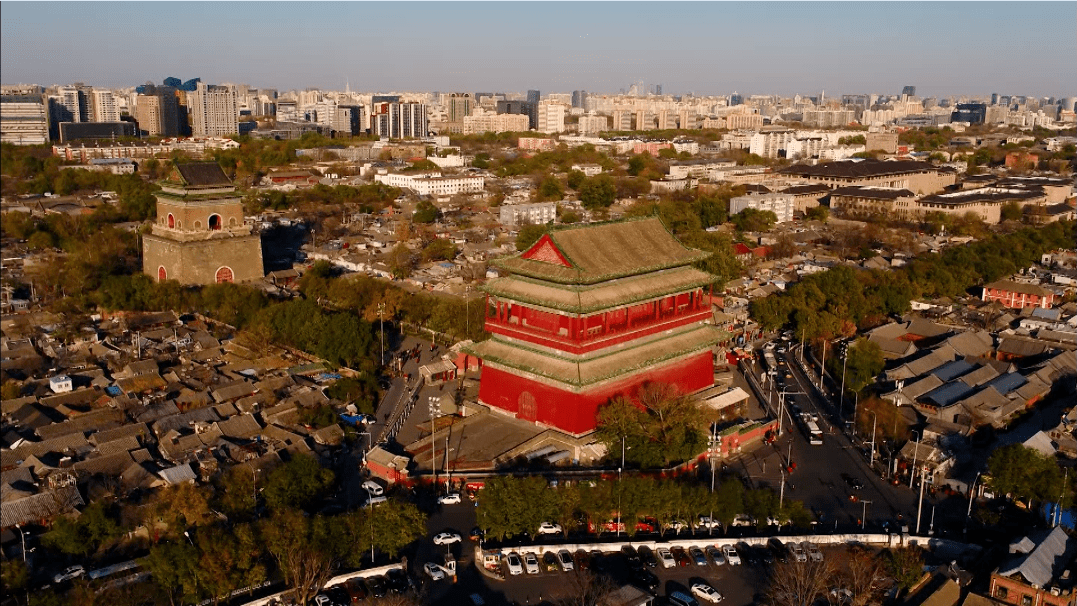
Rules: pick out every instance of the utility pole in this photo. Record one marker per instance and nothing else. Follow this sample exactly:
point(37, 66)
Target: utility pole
point(381, 318)
point(972, 494)
point(864, 513)
point(844, 364)
point(467, 311)
point(920, 506)
point(781, 492)
point(874, 418)
point(916, 451)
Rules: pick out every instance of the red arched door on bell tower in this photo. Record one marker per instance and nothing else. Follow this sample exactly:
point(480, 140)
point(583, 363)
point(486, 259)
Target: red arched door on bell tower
point(162, 275)
point(224, 274)
point(528, 407)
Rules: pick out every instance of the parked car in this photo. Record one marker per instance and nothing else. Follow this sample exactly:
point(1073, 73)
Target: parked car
point(698, 556)
point(598, 561)
point(476, 534)
point(452, 498)
point(715, 555)
point(515, 566)
point(813, 552)
point(564, 558)
point(356, 589)
point(779, 551)
point(549, 528)
point(678, 598)
point(646, 555)
point(373, 488)
point(731, 555)
point(583, 561)
point(799, 555)
point(681, 556)
point(322, 600)
point(706, 593)
point(397, 581)
point(433, 571)
point(338, 595)
point(646, 580)
point(446, 538)
point(631, 556)
point(72, 572)
point(708, 523)
point(377, 586)
point(549, 562)
point(747, 554)
point(744, 520)
point(531, 563)
point(666, 558)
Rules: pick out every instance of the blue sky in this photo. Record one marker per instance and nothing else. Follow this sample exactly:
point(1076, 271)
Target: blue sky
point(949, 48)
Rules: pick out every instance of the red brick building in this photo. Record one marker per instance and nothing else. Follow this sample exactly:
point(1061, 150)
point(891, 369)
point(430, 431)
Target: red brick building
point(1033, 575)
point(592, 311)
point(1017, 295)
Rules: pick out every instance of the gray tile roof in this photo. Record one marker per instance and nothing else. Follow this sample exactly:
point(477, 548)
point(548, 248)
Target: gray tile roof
point(41, 506)
point(1041, 556)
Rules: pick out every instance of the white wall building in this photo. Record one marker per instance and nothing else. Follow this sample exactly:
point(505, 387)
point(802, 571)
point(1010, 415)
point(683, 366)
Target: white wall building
point(214, 112)
point(536, 213)
point(592, 125)
point(767, 143)
point(433, 184)
point(104, 106)
point(551, 118)
point(782, 205)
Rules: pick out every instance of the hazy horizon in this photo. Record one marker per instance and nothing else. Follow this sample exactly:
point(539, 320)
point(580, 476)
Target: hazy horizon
point(944, 49)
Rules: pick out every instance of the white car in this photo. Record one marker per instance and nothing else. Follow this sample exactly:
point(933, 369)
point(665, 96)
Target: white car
point(743, 519)
point(564, 558)
point(549, 528)
point(731, 555)
point(433, 571)
point(453, 498)
point(531, 563)
point(772, 521)
point(706, 593)
point(515, 565)
point(813, 552)
point(708, 523)
point(799, 555)
point(322, 600)
point(665, 557)
point(373, 489)
point(677, 526)
point(446, 538)
point(69, 573)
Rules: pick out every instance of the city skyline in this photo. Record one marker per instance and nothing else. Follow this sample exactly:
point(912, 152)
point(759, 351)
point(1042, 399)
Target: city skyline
point(944, 49)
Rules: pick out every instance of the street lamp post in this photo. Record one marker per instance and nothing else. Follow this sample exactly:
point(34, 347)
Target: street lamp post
point(864, 513)
point(874, 419)
point(972, 494)
point(916, 451)
point(381, 319)
point(920, 505)
point(844, 364)
point(467, 311)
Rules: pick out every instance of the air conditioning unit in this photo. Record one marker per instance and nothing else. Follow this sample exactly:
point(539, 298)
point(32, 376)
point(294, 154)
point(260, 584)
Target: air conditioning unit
point(1055, 591)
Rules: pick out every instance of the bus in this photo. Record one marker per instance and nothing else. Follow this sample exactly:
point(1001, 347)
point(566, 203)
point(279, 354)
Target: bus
point(815, 435)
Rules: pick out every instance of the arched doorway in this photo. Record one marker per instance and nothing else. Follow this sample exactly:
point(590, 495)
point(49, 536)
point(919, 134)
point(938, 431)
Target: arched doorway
point(214, 222)
point(162, 275)
point(171, 221)
point(224, 274)
point(528, 407)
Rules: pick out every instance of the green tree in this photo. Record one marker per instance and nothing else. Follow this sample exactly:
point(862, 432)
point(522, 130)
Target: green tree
point(550, 189)
point(598, 192)
point(299, 483)
point(659, 426)
point(818, 213)
point(400, 261)
point(14, 574)
point(906, 566)
point(235, 495)
point(528, 235)
point(576, 179)
point(865, 361)
point(750, 219)
point(1023, 473)
point(304, 549)
point(361, 391)
point(509, 506)
point(440, 249)
point(569, 216)
point(173, 568)
point(1011, 211)
point(425, 212)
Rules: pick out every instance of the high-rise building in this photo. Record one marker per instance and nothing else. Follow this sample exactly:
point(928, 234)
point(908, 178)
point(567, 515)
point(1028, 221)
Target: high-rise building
point(592, 125)
point(526, 108)
point(24, 117)
point(551, 118)
point(157, 112)
point(736, 99)
point(579, 98)
point(908, 91)
point(200, 236)
point(994, 98)
point(104, 106)
point(460, 105)
point(348, 120)
point(533, 96)
point(399, 120)
point(213, 111)
point(973, 113)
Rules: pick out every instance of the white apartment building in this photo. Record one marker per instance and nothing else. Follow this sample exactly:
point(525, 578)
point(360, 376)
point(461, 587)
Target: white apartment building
point(743, 121)
point(214, 112)
point(805, 147)
point(699, 168)
point(551, 118)
point(24, 119)
point(589, 170)
point(482, 121)
point(433, 184)
point(536, 213)
point(399, 120)
point(782, 205)
point(104, 106)
point(768, 143)
point(592, 125)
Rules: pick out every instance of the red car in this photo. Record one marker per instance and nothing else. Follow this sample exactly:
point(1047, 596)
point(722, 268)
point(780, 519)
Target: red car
point(681, 556)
